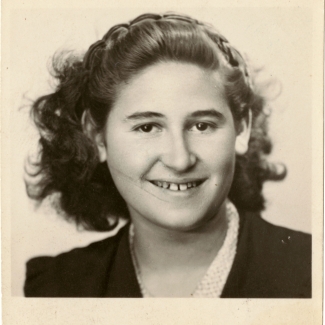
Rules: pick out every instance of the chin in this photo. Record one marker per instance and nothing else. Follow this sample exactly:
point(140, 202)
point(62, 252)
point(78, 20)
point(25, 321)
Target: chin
point(176, 211)
point(180, 220)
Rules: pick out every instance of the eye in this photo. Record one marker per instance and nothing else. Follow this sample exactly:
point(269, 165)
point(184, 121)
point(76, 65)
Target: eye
point(203, 127)
point(147, 128)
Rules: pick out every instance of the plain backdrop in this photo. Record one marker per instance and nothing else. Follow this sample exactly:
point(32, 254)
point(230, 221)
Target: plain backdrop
point(280, 39)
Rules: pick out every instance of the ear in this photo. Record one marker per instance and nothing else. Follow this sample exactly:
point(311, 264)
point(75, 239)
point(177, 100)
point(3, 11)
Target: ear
point(102, 153)
point(242, 139)
point(89, 129)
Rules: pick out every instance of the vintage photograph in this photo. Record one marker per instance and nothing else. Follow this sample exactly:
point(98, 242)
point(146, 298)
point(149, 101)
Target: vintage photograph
point(163, 153)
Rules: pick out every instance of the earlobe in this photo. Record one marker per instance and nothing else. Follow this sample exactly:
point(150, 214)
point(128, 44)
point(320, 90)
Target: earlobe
point(242, 139)
point(89, 130)
point(101, 148)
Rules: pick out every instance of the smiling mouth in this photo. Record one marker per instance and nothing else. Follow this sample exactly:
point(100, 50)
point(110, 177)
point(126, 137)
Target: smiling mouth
point(177, 186)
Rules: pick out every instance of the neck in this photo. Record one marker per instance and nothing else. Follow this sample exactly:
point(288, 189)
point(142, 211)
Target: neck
point(162, 249)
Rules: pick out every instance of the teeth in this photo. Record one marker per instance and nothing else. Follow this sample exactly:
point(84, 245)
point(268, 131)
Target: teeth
point(174, 186)
point(183, 187)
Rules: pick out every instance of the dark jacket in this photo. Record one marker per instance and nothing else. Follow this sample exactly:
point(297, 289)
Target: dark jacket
point(271, 262)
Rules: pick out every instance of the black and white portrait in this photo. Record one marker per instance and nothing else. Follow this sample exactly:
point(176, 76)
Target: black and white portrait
point(163, 152)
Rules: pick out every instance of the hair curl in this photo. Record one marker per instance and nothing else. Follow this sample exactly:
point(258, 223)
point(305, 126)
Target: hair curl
point(68, 162)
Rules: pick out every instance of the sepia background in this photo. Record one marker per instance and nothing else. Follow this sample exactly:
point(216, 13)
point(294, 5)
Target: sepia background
point(279, 39)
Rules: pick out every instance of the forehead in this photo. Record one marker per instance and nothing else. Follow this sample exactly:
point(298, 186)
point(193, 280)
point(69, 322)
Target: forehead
point(170, 87)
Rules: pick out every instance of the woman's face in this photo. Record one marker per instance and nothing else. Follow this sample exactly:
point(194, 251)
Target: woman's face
point(170, 144)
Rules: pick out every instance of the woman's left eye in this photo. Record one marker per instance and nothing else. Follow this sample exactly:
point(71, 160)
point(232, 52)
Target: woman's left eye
point(202, 127)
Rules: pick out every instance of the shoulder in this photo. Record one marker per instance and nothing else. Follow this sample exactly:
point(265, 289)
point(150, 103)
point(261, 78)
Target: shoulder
point(278, 240)
point(278, 259)
point(77, 273)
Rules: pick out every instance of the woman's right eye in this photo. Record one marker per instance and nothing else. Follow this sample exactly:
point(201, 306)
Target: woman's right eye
point(148, 128)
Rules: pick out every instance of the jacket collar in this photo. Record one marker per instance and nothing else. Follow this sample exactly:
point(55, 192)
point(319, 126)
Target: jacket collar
point(122, 281)
point(238, 270)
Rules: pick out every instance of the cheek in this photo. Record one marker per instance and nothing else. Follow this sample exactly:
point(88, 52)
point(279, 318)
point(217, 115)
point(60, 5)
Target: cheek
point(218, 153)
point(127, 159)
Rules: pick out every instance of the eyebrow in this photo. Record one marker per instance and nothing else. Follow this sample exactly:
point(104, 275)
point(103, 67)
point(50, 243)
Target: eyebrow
point(143, 115)
point(200, 113)
point(209, 113)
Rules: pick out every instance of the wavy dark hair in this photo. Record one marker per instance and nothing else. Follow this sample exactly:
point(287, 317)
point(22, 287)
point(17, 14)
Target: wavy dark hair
point(88, 85)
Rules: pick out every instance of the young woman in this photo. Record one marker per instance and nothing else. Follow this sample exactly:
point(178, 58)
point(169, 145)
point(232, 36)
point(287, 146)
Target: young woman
point(162, 124)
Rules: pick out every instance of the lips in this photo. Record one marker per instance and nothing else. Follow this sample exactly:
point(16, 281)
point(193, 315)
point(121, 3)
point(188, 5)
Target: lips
point(177, 186)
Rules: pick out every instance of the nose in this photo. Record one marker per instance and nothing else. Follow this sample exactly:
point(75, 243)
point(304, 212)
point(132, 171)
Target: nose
point(177, 154)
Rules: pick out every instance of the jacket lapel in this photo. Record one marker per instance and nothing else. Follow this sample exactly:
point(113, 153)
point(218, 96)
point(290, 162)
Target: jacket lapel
point(122, 281)
point(238, 272)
